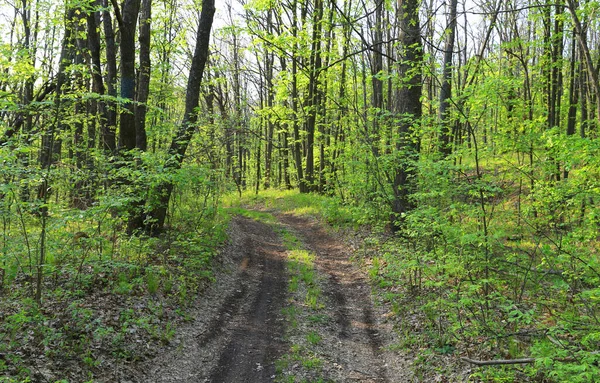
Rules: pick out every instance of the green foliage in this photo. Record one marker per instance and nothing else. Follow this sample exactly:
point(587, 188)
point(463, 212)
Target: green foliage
point(89, 256)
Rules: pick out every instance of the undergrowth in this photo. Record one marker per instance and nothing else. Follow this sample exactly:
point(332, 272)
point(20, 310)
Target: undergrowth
point(107, 299)
point(459, 285)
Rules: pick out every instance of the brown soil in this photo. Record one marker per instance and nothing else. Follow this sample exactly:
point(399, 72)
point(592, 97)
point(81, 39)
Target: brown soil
point(358, 341)
point(238, 333)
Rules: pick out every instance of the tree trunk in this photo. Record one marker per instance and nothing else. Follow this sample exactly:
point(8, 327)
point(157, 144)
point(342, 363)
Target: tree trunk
point(294, 96)
point(376, 81)
point(109, 128)
point(314, 96)
point(128, 22)
point(143, 87)
point(94, 47)
point(270, 127)
point(182, 139)
point(408, 109)
point(446, 89)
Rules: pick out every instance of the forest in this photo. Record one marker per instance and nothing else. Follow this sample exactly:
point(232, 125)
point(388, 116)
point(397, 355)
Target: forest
point(459, 140)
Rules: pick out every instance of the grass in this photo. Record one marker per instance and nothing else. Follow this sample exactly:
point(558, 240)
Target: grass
point(330, 209)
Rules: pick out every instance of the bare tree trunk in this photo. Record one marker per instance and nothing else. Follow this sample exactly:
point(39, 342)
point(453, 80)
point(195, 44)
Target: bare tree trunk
point(574, 73)
point(408, 108)
point(376, 81)
point(183, 136)
point(314, 96)
point(127, 24)
point(446, 89)
point(143, 87)
point(294, 96)
point(109, 129)
point(270, 127)
point(94, 47)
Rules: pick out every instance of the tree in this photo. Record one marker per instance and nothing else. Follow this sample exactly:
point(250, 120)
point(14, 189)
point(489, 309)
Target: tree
point(407, 109)
point(446, 88)
point(162, 194)
point(127, 27)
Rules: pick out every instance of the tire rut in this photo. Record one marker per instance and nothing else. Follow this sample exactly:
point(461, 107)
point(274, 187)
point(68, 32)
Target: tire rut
point(239, 327)
point(238, 331)
point(358, 348)
point(256, 342)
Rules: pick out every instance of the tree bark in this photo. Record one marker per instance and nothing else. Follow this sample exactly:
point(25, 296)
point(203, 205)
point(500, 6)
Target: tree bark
point(270, 96)
point(314, 97)
point(109, 129)
point(183, 136)
point(143, 76)
point(294, 96)
point(408, 109)
point(446, 89)
point(376, 81)
point(94, 47)
point(127, 23)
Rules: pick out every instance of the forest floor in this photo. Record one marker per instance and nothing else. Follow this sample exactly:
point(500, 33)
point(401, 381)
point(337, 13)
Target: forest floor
point(251, 326)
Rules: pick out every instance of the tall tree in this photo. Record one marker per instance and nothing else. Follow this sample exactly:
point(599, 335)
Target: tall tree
point(408, 108)
point(592, 70)
point(109, 141)
point(127, 26)
point(446, 88)
point(182, 138)
point(143, 85)
point(314, 95)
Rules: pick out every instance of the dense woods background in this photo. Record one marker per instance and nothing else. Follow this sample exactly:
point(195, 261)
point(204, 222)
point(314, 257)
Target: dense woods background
point(468, 129)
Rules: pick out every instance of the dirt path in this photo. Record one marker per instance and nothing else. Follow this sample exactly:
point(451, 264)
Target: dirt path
point(238, 332)
point(239, 329)
point(359, 339)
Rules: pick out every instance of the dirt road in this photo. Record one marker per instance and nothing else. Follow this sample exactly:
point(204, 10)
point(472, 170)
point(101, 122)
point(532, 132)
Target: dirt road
point(239, 331)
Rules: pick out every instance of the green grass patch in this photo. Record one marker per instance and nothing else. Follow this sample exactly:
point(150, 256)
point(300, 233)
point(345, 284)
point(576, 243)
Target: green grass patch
point(334, 211)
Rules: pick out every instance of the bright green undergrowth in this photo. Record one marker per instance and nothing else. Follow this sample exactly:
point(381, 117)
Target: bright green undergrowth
point(104, 294)
point(331, 209)
point(477, 274)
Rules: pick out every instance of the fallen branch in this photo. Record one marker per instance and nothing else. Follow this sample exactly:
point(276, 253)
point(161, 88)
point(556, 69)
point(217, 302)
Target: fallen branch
point(498, 361)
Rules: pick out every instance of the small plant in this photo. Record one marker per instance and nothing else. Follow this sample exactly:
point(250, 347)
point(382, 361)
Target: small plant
point(152, 282)
point(293, 284)
point(313, 338)
point(124, 286)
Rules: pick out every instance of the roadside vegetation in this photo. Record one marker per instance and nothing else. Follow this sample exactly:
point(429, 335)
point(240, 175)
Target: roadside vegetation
point(106, 299)
point(461, 141)
point(507, 295)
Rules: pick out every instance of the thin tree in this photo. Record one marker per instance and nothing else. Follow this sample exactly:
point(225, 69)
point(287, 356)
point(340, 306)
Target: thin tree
point(186, 130)
point(446, 88)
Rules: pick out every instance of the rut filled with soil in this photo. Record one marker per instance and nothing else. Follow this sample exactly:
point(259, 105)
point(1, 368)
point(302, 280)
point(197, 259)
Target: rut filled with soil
point(238, 330)
point(359, 340)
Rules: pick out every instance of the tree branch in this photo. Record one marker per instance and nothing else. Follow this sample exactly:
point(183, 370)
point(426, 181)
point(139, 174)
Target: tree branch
point(498, 361)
